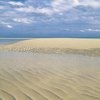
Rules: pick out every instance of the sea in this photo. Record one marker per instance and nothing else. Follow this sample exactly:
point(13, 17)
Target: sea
point(11, 40)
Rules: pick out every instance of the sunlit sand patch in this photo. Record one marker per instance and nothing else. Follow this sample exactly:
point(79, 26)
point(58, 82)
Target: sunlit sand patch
point(56, 45)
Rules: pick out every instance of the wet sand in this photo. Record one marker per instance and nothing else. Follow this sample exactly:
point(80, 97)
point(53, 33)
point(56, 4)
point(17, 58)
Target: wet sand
point(48, 76)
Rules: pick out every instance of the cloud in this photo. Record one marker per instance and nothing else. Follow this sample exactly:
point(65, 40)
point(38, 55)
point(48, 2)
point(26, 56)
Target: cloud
point(6, 24)
point(93, 30)
point(14, 3)
point(62, 11)
point(87, 3)
point(58, 6)
point(9, 26)
point(31, 9)
point(82, 30)
point(92, 3)
point(76, 2)
point(90, 30)
point(23, 20)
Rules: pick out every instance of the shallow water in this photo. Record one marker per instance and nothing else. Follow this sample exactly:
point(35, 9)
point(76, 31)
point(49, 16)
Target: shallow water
point(37, 76)
point(8, 41)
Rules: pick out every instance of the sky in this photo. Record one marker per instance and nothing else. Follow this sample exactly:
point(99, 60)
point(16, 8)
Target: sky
point(50, 18)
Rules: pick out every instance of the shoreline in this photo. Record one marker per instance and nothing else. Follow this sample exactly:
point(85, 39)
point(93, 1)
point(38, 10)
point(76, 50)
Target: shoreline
point(53, 38)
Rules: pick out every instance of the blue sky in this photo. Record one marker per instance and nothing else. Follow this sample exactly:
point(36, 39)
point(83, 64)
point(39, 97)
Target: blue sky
point(49, 18)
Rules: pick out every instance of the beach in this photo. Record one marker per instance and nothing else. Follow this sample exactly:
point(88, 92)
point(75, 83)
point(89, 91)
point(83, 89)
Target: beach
point(50, 69)
point(89, 47)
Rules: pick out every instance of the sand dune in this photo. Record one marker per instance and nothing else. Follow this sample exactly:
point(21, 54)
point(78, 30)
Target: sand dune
point(56, 45)
point(28, 76)
point(72, 43)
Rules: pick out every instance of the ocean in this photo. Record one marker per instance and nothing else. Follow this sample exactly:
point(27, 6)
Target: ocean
point(10, 40)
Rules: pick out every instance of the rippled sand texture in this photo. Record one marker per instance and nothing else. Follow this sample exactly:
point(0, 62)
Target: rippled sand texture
point(28, 76)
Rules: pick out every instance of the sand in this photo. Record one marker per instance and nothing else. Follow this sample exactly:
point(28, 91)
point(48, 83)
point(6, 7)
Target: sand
point(28, 76)
point(49, 76)
point(56, 45)
point(72, 43)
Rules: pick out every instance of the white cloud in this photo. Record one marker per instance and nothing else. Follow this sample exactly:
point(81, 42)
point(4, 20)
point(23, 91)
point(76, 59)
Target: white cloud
point(57, 6)
point(82, 30)
point(95, 30)
point(23, 20)
point(14, 3)
point(31, 9)
point(92, 3)
point(65, 4)
point(28, 9)
point(20, 12)
point(90, 30)
point(9, 26)
point(6, 24)
point(61, 6)
point(76, 2)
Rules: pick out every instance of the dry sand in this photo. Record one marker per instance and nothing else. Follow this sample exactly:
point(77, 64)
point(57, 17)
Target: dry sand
point(56, 45)
point(72, 43)
point(40, 76)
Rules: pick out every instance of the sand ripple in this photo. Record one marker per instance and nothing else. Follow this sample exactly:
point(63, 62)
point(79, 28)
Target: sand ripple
point(28, 76)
